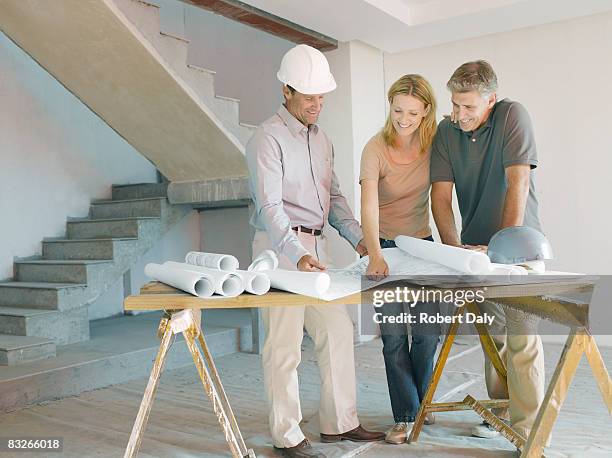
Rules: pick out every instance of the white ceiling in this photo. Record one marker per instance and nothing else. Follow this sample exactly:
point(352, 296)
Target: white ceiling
point(398, 25)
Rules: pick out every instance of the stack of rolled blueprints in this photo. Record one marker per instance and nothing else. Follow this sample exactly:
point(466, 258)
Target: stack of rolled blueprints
point(205, 274)
point(209, 274)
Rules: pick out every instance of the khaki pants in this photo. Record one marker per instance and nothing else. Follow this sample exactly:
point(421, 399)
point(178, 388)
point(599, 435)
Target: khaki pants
point(331, 329)
point(516, 336)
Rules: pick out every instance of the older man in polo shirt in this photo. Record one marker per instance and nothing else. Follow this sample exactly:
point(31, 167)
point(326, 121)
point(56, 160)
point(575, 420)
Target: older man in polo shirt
point(296, 192)
point(487, 151)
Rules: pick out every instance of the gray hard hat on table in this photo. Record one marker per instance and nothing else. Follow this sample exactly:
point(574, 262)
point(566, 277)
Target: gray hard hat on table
point(517, 244)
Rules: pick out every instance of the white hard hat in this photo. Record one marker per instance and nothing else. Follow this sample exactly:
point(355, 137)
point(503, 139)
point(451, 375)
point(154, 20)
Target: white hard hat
point(306, 70)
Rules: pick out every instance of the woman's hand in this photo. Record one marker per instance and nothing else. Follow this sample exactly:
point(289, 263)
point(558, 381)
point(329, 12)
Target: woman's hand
point(377, 268)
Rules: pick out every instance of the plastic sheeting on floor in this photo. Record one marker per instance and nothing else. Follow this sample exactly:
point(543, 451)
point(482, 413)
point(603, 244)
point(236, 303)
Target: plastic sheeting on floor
point(182, 425)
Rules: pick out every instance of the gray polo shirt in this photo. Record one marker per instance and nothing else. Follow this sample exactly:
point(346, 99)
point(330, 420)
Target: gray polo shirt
point(476, 161)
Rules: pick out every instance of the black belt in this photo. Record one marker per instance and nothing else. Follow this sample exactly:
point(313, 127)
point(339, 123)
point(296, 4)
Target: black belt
point(307, 230)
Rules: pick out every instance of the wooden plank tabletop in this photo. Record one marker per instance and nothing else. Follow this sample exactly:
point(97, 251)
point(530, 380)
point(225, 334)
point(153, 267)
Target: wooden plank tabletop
point(159, 296)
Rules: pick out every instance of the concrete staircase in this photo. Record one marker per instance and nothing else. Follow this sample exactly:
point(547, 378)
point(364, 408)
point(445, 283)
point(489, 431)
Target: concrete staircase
point(143, 88)
point(174, 50)
point(46, 303)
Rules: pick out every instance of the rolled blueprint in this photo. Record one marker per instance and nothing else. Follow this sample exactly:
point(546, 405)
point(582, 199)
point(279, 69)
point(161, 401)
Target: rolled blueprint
point(267, 260)
point(197, 283)
point(313, 284)
point(508, 273)
point(225, 283)
point(254, 282)
point(507, 269)
point(225, 262)
point(467, 261)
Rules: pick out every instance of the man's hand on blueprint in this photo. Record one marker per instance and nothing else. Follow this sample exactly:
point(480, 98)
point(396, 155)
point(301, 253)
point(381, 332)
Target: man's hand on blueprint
point(308, 263)
point(479, 248)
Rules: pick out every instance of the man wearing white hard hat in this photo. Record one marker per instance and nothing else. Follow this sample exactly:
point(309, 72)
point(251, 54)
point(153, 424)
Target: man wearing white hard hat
point(295, 192)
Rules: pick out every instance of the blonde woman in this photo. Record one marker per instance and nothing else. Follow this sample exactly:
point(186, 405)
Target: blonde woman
point(395, 187)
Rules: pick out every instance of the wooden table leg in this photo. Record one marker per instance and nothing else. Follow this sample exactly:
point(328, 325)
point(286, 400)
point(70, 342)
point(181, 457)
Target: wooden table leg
point(435, 377)
point(488, 345)
point(555, 395)
point(237, 447)
point(223, 396)
point(457, 406)
point(599, 370)
point(147, 401)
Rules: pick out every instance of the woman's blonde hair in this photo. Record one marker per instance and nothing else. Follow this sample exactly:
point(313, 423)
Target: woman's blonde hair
point(418, 87)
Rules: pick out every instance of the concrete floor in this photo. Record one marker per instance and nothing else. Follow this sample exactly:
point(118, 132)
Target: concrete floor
point(98, 423)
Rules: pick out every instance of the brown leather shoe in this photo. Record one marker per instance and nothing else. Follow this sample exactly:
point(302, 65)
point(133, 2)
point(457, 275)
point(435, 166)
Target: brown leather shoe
point(301, 450)
point(359, 434)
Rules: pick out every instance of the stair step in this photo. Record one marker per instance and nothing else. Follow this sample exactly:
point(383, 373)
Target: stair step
point(135, 199)
point(90, 249)
point(110, 227)
point(121, 348)
point(152, 206)
point(15, 321)
point(58, 271)
point(64, 328)
point(201, 69)
point(229, 99)
point(139, 191)
point(175, 37)
point(48, 296)
point(24, 349)
point(68, 262)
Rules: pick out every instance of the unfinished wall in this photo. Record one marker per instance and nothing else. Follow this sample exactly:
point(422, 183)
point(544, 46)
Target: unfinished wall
point(55, 157)
point(173, 246)
point(227, 230)
point(245, 59)
point(561, 72)
point(351, 115)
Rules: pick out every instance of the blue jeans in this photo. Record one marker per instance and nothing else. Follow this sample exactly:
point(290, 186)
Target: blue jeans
point(408, 367)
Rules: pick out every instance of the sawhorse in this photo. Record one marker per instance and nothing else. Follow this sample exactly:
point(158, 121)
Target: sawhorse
point(579, 342)
point(188, 322)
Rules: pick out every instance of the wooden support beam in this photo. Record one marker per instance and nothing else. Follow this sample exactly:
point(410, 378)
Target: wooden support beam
point(435, 377)
point(497, 423)
point(555, 395)
point(488, 345)
point(567, 311)
point(455, 406)
point(262, 20)
point(604, 382)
